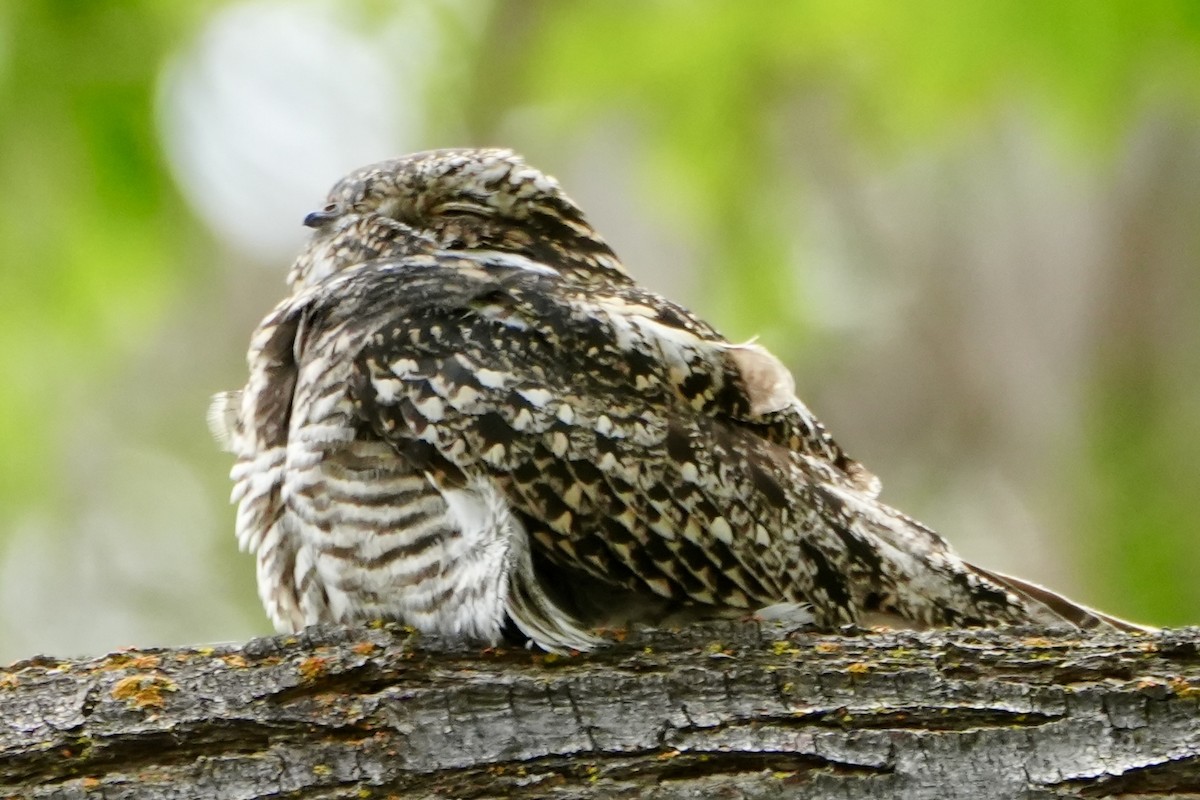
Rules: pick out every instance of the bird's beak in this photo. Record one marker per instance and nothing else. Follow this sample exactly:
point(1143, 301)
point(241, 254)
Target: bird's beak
point(318, 219)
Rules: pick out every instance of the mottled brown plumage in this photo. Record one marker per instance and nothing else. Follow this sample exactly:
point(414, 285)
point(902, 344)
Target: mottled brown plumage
point(467, 416)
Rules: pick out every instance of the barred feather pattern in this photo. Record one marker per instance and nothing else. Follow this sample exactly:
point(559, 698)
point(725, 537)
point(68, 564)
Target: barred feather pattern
point(468, 417)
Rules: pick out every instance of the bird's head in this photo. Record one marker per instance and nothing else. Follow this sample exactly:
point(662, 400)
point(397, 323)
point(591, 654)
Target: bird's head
point(456, 200)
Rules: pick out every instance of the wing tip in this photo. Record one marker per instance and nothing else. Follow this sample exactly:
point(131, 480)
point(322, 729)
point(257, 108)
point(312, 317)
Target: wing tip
point(1070, 611)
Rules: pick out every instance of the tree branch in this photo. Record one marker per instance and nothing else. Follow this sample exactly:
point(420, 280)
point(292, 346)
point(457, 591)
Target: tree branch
point(719, 710)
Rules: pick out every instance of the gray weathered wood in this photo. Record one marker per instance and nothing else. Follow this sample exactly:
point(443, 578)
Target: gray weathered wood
point(724, 710)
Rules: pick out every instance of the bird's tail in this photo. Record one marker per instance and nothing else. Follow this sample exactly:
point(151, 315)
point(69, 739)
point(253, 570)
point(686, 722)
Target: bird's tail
point(1067, 610)
point(922, 581)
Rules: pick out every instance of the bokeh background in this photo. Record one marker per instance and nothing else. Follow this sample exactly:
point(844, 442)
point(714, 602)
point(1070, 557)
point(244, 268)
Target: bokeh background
point(971, 229)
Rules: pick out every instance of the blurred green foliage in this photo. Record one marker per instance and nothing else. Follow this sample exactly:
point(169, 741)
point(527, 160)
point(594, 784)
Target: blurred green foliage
point(95, 242)
point(711, 84)
point(92, 234)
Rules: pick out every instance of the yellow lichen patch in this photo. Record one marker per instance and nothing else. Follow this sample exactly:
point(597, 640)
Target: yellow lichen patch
point(8, 681)
point(143, 691)
point(1038, 641)
point(827, 647)
point(322, 770)
point(858, 668)
point(364, 648)
point(1182, 687)
point(781, 648)
point(117, 661)
point(236, 660)
point(719, 650)
point(668, 755)
point(205, 651)
point(311, 669)
point(364, 793)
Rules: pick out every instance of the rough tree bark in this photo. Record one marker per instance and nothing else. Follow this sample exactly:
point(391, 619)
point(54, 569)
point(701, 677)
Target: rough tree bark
point(722, 710)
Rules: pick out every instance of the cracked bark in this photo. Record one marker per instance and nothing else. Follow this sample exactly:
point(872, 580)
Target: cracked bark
point(720, 710)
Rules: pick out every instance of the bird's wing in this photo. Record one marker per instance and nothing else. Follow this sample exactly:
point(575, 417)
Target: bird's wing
point(634, 444)
point(641, 446)
point(343, 526)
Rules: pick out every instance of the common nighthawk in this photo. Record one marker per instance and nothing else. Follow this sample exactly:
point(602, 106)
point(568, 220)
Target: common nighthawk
point(468, 417)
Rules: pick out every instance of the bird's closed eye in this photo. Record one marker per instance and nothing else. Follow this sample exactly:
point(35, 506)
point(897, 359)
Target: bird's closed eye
point(462, 208)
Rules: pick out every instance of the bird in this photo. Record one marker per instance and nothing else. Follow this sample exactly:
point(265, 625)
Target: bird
point(468, 417)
